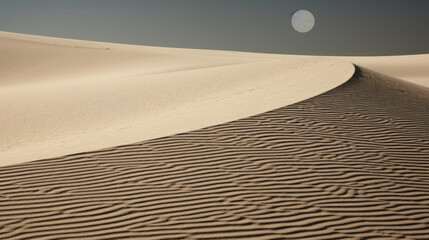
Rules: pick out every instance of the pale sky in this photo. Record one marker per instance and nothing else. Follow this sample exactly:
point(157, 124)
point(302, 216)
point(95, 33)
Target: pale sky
point(343, 27)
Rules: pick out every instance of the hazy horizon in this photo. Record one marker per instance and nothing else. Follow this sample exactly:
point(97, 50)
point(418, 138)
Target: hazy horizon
point(364, 27)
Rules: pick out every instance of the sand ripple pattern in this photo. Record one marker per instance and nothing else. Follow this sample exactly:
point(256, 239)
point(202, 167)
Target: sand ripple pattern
point(352, 163)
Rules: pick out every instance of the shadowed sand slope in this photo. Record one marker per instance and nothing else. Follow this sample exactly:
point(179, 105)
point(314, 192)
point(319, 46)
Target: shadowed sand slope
point(351, 163)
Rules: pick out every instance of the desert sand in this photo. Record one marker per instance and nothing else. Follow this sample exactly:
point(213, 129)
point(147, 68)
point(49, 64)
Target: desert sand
point(135, 142)
point(60, 96)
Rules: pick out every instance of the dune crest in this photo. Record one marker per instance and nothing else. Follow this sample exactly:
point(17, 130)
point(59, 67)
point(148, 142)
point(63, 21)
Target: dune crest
point(62, 96)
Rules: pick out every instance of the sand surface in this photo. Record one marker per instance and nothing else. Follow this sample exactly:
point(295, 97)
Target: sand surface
point(351, 163)
point(137, 142)
point(61, 96)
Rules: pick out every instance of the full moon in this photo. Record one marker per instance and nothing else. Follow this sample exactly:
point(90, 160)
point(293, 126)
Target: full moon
point(303, 21)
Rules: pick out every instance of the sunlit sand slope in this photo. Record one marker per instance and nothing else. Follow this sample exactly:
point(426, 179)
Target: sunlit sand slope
point(62, 96)
point(351, 163)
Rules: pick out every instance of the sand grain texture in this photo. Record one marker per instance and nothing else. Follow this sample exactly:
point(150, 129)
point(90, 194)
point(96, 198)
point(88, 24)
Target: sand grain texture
point(351, 163)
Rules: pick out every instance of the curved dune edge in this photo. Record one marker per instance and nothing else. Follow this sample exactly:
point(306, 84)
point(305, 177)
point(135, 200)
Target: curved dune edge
point(350, 163)
point(61, 96)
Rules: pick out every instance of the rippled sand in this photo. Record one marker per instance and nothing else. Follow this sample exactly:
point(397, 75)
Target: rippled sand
point(351, 163)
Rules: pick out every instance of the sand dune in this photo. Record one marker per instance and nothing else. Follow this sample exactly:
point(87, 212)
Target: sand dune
point(61, 96)
point(413, 68)
point(137, 142)
point(350, 163)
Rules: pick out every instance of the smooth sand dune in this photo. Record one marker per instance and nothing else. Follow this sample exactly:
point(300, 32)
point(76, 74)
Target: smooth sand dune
point(62, 96)
point(351, 163)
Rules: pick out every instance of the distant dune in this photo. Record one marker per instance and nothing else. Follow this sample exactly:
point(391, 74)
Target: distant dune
point(413, 68)
point(137, 142)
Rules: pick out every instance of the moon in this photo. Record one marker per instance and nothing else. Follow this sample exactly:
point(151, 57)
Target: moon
point(303, 21)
